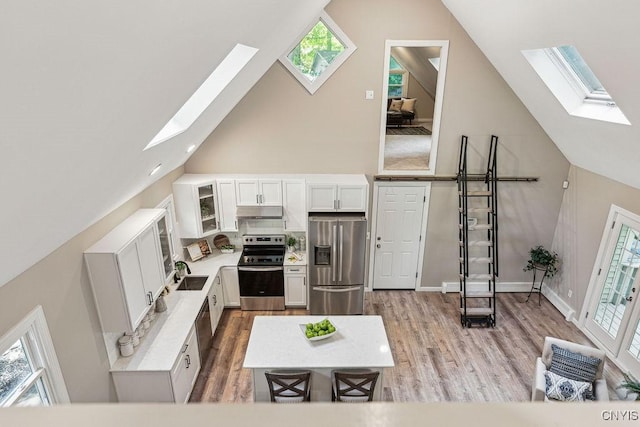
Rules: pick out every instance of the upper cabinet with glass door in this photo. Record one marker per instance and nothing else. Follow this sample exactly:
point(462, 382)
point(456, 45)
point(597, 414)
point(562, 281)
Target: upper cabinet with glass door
point(166, 247)
point(196, 205)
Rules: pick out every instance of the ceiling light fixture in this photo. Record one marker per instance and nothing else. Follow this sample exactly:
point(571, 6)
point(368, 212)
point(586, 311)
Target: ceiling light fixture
point(156, 169)
point(191, 148)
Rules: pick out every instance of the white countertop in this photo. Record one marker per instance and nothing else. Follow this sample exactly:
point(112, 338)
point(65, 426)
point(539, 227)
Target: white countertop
point(162, 343)
point(278, 342)
point(300, 260)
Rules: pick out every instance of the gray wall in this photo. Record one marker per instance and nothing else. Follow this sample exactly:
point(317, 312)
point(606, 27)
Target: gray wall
point(279, 127)
point(580, 228)
point(60, 284)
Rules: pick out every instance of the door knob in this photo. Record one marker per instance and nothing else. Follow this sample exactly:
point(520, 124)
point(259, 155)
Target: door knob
point(379, 238)
point(629, 298)
point(378, 246)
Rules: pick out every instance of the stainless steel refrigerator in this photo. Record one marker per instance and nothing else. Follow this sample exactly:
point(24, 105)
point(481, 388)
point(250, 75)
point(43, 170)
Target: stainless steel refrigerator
point(336, 263)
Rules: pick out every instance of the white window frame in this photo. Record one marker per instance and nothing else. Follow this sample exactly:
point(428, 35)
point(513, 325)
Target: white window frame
point(349, 48)
point(34, 331)
point(403, 84)
point(569, 90)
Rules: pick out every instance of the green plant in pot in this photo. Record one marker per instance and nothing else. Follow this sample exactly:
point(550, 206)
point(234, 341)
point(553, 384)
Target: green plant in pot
point(631, 386)
point(542, 259)
point(291, 243)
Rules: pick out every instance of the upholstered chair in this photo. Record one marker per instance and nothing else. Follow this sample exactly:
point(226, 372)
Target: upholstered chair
point(543, 363)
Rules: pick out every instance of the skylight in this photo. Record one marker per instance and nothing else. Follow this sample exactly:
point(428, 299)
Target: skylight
point(208, 91)
point(573, 83)
point(318, 54)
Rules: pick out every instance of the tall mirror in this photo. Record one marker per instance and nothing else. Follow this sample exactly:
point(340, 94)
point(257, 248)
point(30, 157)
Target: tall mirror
point(413, 87)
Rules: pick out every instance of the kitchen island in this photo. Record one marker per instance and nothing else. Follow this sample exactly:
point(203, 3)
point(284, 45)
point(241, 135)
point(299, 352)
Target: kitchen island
point(278, 342)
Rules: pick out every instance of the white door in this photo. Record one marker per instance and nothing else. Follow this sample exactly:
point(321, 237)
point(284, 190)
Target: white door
point(133, 284)
point(247, 192)
point(397, 236)
point(227, 208)
point(149, 254)
point(352, 198)
point(271, 192)
point(612, 307)
point(295, 215)
point(321, 198)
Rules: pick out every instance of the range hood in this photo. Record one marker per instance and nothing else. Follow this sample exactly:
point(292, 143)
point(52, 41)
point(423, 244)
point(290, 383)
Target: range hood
point(259, 212)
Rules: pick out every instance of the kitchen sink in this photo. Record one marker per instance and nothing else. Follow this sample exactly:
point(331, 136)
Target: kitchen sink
point(192, 283)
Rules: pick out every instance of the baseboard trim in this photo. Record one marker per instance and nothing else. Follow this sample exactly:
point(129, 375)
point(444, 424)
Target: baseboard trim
point(559, 303)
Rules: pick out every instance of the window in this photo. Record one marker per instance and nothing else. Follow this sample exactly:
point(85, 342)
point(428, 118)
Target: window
point(224, 73)
point(318, 54)
point(567, 75)
point(29, 370)
point(579, 73)
point(397, 79)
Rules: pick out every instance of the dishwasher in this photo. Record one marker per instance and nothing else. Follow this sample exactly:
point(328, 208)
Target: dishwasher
point(204, 331)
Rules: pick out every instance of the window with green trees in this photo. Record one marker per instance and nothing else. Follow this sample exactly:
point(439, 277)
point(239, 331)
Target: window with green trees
point(316, 51)
point(322, 48)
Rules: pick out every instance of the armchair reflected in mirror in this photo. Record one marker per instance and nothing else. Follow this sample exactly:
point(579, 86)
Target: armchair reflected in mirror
point(413, 87)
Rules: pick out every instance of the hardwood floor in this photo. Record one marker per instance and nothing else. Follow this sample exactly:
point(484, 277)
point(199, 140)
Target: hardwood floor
point(436, 359)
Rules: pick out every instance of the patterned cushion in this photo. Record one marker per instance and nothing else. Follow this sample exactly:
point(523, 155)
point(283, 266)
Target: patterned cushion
point(565, 389)
point(574, 366)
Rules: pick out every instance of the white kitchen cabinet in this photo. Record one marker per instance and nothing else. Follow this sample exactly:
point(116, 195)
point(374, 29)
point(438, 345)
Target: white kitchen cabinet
point(295, 286)
point(230, 286)
point(264, 192)
point(227, 204)
point(173, 385)
point(293, 197)
point(216, 302)
point(126, 271)
point(326, 197)
point(196, 205)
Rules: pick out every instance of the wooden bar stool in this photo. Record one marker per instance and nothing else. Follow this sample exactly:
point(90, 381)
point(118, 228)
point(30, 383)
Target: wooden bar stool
point(289, 386)
point(354, 386)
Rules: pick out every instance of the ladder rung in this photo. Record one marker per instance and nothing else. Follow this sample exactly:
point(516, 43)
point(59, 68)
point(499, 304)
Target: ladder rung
point(478, 294)
point(478, 260)
point(478, 311)
point(476, 193)
point(485, 210)
point(478, 276)
point(477, 243)
point(478, 227)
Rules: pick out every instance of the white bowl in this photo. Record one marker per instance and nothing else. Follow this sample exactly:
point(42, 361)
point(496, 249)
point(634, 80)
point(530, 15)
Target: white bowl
point(303, 328)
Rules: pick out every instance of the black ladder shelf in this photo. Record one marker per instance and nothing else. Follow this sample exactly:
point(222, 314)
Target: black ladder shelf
point(478, 239)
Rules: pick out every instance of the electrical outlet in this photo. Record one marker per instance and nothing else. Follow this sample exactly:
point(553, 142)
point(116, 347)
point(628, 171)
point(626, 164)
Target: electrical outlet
point(569, 293)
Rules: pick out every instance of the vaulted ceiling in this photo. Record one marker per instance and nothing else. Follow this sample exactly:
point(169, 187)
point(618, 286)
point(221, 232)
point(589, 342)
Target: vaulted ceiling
point(84, 88)
point(86, 85)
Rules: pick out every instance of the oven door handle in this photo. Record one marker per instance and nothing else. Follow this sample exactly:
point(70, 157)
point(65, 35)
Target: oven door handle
point(260, 268)
point(328, 289)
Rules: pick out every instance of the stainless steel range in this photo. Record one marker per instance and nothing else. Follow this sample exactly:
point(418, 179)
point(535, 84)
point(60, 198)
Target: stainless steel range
point(261, 272)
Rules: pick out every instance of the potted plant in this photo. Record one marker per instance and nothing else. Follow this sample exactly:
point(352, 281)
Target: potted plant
point(291, 243)
point(542, 259)
point(629, 389)
point(227, 249)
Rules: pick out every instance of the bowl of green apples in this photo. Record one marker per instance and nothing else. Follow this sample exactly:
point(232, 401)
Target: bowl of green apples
point(318, 331)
